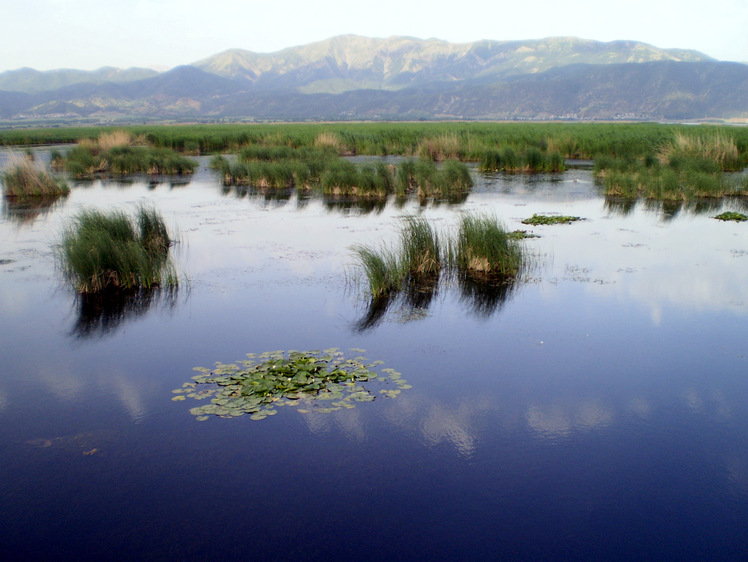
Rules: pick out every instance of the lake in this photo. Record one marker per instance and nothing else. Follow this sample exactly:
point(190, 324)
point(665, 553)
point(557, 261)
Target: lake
point(598, 411)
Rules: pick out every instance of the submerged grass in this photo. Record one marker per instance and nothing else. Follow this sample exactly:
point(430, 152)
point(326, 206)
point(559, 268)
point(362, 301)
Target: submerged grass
point(109, 251)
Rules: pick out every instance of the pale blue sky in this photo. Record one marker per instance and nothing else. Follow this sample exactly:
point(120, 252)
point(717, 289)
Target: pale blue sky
point(88, 34)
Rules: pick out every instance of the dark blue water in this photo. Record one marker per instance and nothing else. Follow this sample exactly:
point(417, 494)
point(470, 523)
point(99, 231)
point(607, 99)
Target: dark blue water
point(600, 411)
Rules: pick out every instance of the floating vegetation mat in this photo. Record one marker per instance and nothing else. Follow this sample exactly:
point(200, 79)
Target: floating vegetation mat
point(732, 216)
point(536, 219)
point(310, 381)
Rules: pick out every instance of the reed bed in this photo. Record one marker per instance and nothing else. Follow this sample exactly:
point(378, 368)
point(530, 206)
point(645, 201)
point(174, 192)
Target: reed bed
point(531, 161)
point(716, 148)
point(682, 177)
point(464, 141)
point(113, 251)
point(428, 180)
point(119, 153)
point(285, 167)
point(23, 179)
point(694, 155)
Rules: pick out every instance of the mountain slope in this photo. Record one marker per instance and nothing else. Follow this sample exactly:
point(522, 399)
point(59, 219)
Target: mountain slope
point(658, 90)
point(353, 77)
point(33, 81)
point(351, 62)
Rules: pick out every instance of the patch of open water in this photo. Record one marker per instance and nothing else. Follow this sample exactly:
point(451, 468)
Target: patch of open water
point(600, 411)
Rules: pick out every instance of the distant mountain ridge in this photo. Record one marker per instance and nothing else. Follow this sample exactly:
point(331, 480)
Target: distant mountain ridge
point(353, 77)
point(351, 62)
point(33, 81)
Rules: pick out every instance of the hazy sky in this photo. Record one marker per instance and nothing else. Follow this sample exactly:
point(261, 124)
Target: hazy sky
point(88, 34)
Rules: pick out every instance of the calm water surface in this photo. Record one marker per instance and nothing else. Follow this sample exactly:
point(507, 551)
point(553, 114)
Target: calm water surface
point(600, 411)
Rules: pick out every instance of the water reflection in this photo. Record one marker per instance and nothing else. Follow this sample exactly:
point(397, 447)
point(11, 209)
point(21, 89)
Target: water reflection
point(413, 304)
point(25, 210)
point(671, 209)
point(276, 197)
point(362, 205)
point(485, 299)
point(482, 299)
point(344, 204)
point(102, 314)
point(621, 206)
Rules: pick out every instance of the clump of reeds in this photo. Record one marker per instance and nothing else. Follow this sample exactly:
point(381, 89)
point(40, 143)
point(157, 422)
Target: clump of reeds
point(420, 253)
point(413, 267)
point(682, 174)
point(344, 178)
point(440, 148)
point(22, 178)
point(106, 251)
point(381, 269)
point(56, 161)
point(532, 161)
point(113, 139)
point(429, 180)
point(485, 251)
point(331, 140)
point(118, 153)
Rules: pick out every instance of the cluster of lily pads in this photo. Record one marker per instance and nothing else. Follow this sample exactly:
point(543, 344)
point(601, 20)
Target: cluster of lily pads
point(311, 381)
point(536, 219)
point(732, 216)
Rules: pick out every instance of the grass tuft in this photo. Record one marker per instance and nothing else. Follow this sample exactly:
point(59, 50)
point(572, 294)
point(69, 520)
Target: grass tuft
point(105, 251)
point(485, 251)
point(24, 179)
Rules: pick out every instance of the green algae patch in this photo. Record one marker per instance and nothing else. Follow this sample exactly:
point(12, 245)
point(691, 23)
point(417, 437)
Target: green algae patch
point(311, 381)
point(536, 219)
point(732, 216)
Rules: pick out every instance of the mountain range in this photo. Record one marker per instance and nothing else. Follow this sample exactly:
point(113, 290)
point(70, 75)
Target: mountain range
point(351, 77)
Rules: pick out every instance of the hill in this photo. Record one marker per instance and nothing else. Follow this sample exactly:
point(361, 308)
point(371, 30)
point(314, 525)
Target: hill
point(352, 77)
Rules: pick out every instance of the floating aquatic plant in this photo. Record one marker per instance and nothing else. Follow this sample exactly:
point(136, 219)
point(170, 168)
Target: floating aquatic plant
point(311, 381)
point(536, 219)
point(732, 216)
